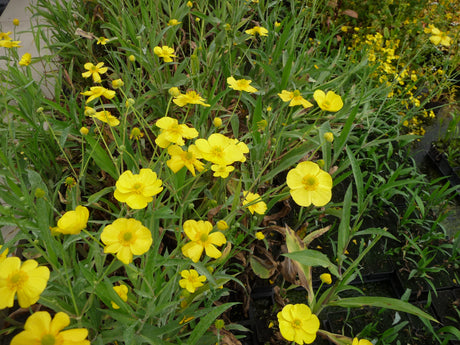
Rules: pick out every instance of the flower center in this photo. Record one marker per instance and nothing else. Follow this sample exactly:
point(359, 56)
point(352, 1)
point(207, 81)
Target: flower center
point(204, 237)
point(326, 104)
point(296, 93)
point(296, 323)
point(17, 280)
point(137, 187)
point(93, 69)
point(48, 339)
point(126, 238)
point(310, 182)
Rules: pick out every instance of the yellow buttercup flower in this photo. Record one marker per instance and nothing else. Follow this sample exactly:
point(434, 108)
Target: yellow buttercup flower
point(222, 225)
point(222, 150)
point(40, 329)
point(298, 324)
point(106, 117)
point(94, 70)
point(98, 91)
point(294, 98)
point(329, 136)
point(217, 122)
point(173, 133)
point(361, 342)
point(222, 170)
point(329, 102)
point(181, 158)
point(250, 198)
point(191, 280)
point(257, 30)
point(200, 239)
point(136, 134)
point(189, 4)
point(117, 83)
point(9, 44)
point(260, 235)
point(309, 184)
point(84, 131)
point(164, 52)
point(122, 291)
point(26, 279)
point(73, 222)
point(440, 37)
point(26, 59)
point(173, 22)
point(240, 85)
point(190, 97)
point(174, 91)
point(15, 21)
point(5, 36)
point(102, 41)
point(326, 278)
point(126, 237)
point(137, 190)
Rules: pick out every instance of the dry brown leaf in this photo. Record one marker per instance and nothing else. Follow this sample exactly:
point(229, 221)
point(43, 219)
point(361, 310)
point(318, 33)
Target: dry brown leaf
point(226, 337)
point(84, 34)
point(351, 13)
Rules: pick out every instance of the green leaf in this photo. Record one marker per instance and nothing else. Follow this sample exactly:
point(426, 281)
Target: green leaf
point(101, 158)
point(357, 174)
point(96, 196)
point(382, 302)
point(206, 322)
point(259, 268)
point(375, 231)
point(344, 226)
point(310, 257)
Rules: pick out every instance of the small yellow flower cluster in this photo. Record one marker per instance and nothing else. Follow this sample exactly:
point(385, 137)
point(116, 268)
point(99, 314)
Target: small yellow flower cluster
point(7, 42)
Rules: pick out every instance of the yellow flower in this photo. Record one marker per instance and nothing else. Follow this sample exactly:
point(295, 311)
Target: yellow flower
point(257, 30)
point(40, 329)
point(173, 22)
point(259, 207)
point(117, 83)
point(122, 291)
point(189, 4)
point(26, 59)
point(260, 235)
point(440, 37)
point(126, 237)
point(217, 122)
point(5, 36)
point(173, 133)
point(361, 342)
point(222, 225)
point(329, 137)
point(200, 239)
point(326, 278)
point(137, 190)
point(102, 41)
point(277, 24)
point(181, 158)
point(240, 85)
point(4, 254)
point(174, 91)
point(106, 117)
point(309, 184)
point(222, 170)
point(26, 279)
point(94, 71)
point(192, 280)
point(129, 102)
point(84, 131)
point(164, 52)
point(190, 97)
point(73, 222)
point(294, 98)
point(9, 43)
point(89, 111)
point(15, 21)
point(132, 58)
point(329, 102)
point(98, 91)
point(222, 150)
point(298, 324)
point(136, 134)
